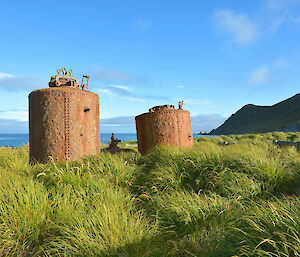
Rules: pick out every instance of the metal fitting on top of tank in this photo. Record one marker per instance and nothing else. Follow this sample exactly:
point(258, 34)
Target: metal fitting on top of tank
point(180, 105)
point(161, 107)
point(62, 79)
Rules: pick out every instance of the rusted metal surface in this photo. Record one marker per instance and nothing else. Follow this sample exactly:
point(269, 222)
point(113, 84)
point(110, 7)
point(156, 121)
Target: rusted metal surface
point(164, 125)
point(63, 123)
point(63, 79)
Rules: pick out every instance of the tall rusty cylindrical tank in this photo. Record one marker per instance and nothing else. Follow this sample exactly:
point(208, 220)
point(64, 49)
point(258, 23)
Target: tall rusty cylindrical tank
point(63, 121)
point(164, 125)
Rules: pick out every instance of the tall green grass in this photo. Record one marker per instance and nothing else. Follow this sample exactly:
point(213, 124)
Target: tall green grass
point(212, 200)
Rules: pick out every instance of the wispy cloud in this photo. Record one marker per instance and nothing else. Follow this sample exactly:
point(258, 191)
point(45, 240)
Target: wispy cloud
point(104, 91)
point(21, 115)
point(124, 124)
point(180, 86)
point(260, 76)
point(142, 24)
point(13, 110)
point(279, 12)
point(126, 92)
point(276, 22)
point(13, 126)
point(14, 82)
point(207, 122)
point(120, 91)
point(239, 26)
point(269, 18)
point(122, 88)
point(5, 75)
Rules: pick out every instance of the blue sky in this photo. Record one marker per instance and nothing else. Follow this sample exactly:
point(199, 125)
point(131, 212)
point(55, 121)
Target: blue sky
point(216, 56)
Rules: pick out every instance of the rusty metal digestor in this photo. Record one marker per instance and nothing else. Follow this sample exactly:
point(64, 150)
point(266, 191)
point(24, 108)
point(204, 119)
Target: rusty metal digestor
point(62, 79)
point(63, 120)
point(164, 125)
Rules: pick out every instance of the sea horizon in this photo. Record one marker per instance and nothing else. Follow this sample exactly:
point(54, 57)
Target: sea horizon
point(16, 139)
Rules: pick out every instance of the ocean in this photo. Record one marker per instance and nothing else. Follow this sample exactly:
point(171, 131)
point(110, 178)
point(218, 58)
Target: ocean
point(18, 139)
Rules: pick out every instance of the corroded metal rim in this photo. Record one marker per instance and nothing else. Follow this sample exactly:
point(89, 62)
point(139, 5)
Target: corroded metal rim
point(162, 111)
point(62, 89)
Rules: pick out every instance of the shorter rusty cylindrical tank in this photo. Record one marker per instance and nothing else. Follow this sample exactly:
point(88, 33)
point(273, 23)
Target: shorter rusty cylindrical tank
point(63, 120)
point(164, 125)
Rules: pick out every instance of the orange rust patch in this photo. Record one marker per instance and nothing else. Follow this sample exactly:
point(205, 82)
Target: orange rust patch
point(164, 126)
point(59, 128)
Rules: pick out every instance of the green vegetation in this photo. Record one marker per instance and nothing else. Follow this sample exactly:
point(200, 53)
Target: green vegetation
point(212, 200)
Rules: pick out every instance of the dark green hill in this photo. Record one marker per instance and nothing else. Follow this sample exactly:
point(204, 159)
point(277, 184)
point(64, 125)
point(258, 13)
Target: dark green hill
point(283, 116)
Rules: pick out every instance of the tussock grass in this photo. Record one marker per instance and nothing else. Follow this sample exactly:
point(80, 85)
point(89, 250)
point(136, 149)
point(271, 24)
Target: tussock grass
point(212, 200)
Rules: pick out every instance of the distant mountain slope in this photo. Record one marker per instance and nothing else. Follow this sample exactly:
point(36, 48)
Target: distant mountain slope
point(283, 116)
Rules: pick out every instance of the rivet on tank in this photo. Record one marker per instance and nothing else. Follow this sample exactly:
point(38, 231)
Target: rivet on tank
point(63, 120)
point(164, 125)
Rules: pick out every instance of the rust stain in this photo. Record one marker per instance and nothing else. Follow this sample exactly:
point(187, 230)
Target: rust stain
point(63, 123)
point(164, 125)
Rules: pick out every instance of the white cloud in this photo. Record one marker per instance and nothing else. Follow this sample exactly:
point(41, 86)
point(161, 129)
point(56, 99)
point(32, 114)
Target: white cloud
point(119, 91)
point(142, 24)
point(125, 124)
point(122, 87)
point(111, 125)
point(5, 75)
point(14, 82)
point(242, 29)
point(180, 86)
point(104, 91)
point(18, 115)
point(13, 126)
point(260, 76)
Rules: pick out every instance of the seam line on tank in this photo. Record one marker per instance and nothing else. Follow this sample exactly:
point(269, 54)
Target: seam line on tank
point(67, 125)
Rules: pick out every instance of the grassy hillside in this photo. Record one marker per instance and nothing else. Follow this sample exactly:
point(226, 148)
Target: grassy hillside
point(283, 116)
point(213, 200)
